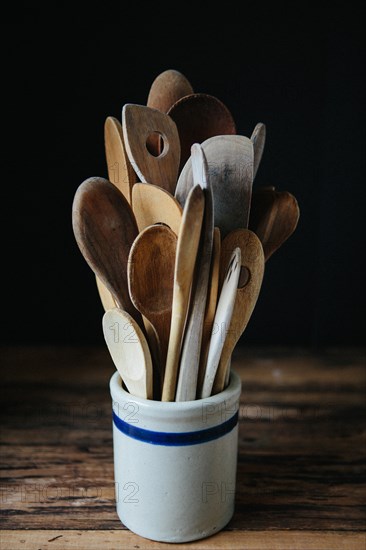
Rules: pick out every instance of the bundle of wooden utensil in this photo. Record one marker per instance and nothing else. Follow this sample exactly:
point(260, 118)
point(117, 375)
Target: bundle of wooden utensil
point(178, 238)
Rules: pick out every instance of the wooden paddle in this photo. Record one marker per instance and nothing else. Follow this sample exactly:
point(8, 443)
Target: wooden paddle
point(187, 247)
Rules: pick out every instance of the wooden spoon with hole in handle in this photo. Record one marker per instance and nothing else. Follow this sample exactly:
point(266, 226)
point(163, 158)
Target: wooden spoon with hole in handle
point(230, 169)
point(130, 352)
point(249, 285)
point(199, 116)
point(120, 171)
point(167, 88)
point(105, 228)
point(150, 280)
point(185, 261)
point(153, 204)
point(191, 350)
point(139, 122)
point(224, 311)
point(258, 138)
point(212, 297)
point(273, 218)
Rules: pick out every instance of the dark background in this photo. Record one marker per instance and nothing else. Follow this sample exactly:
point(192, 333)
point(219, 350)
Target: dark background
point(298, 70)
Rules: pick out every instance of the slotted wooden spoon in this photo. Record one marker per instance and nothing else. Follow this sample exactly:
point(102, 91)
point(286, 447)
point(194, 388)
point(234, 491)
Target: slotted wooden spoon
point(224, 311)
point(249, 284)
point(139, 123)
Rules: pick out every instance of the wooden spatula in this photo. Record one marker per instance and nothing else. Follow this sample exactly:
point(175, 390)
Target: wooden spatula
point(213, 288)
point(139, 122)
point(190, 357)
point(187, 247)
point(258, 138)
point(167, 88)
point(230, 169)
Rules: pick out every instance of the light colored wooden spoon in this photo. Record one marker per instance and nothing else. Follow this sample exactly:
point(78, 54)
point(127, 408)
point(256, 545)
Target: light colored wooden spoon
point(187, 247)
point(150, 280)
point(190, 357)
point(199, 116)
point(212, 297)
point(224, 311)
point(252, 270)
point(273, 218)
point(258, 138)
point(130, 352)
point(120, 171)
point(152, 204)
point(230, 169)
point(139, 123)
point(167, 88)
point(105, 228)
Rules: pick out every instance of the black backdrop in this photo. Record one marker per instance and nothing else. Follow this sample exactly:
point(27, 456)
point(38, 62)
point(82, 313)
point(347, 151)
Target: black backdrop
point(298, 70)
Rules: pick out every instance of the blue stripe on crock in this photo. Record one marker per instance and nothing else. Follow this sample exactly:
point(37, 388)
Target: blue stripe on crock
point(175, 439)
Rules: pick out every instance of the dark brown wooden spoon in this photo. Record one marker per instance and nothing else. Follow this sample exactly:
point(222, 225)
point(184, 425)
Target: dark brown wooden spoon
point(167, 88)
point(105, 228)
point(273, 217)
point(198, 117)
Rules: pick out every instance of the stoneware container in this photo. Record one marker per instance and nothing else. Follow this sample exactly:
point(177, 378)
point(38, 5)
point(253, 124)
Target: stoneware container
point(175, 463)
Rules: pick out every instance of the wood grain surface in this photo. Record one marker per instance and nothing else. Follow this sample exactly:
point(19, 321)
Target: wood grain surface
point(301, 463)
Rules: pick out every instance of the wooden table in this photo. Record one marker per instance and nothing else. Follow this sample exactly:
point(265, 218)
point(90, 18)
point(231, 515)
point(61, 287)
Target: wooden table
point(301, 452)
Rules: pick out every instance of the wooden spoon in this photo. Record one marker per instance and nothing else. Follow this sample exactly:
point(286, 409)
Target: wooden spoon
point(120, 171)
point(167, 88)
point(213, 288)
point(252, 270)
point(187, 247)
point(105, 228)
point(198, 117)
point(129, 350)
point(190, 357)
point(139, 123)
point(230, 169)
point(153, 204)
point(224, 311)
point(273, 218)
point(150, 280)
point(258, 138)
